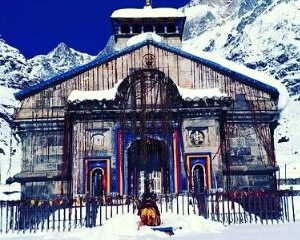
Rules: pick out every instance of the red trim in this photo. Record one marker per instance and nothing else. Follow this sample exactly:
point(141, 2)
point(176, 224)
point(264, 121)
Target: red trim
point(176, 161)
point(120, 162)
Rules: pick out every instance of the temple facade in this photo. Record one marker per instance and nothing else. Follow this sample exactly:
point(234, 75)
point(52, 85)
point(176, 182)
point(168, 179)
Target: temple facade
point(149, 115)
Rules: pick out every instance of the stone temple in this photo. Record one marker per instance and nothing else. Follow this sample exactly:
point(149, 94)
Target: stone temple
point(151, 114)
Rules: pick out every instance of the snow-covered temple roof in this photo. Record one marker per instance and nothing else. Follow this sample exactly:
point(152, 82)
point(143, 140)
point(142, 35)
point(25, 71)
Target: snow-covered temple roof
point(228, 68)
point(148, 36)
point(147, 12)
point(110, 94)
point(187, 93)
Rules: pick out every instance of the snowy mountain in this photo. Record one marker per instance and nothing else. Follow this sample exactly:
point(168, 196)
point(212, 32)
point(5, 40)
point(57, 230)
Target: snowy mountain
point(18, 72)
point(59, 60)
point(261, 34)
point(13, 67)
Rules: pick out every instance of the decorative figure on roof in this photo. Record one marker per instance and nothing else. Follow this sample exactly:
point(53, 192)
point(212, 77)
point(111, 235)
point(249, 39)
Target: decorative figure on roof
point(149, 60)
point(148, 3)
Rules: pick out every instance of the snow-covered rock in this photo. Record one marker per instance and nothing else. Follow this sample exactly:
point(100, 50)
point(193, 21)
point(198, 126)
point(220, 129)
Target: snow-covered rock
point(59, 60)
point(13, 67)
point(18, 72)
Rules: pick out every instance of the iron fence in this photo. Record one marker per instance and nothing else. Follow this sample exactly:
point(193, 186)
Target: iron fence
point(65, 214)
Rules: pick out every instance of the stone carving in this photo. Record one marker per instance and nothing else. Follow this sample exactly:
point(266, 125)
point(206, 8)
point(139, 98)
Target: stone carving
point(196, 137)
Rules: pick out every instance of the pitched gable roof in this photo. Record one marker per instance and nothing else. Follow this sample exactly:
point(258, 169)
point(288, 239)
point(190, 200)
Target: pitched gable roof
point(226, 70)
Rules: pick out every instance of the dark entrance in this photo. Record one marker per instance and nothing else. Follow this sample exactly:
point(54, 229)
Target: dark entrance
point(150, 173)
point(147, 98)
point(198, 179)
point(97, 176)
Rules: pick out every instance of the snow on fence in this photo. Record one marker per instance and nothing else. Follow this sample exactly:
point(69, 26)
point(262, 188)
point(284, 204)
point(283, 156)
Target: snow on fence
point(65, 214)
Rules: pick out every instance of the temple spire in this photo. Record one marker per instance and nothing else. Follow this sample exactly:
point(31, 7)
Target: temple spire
point(148, 3)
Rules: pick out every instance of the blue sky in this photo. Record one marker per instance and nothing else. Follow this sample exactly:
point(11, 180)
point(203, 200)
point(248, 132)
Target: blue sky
point(37, 26)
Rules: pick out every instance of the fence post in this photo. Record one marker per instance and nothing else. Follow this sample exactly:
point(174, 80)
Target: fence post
point(266, 208)
point(249, 207)
point(53, 216)
point(223, 208)
point(75, 206)
point(48, 216)
point(255, 206)
point(244, 210)
point(42, 215)
point(64, 215)
point(171, 202)
point(287, 207)
point(166, 200)
point(87, 215)
point(6, 219)
point(122, 202)
point(100, 210)
point(233, 206)
point(188, 204)
point(24, 215)
point(177, 202)
point(11, 217)
point(80, 210)
point(228, 206)
point(239, 208)
point(277, 202)
point(272, 208)
point(293, 209)
point(106, 198)
point(111, 207)
point(182, 205)
point(117, 200)
point(1, 218)
point(71, 202)
point(217, 202)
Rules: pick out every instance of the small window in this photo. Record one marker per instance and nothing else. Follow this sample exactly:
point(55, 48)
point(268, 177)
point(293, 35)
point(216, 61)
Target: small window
point(125, 29)
point(171, 28)
point(160, 29)
point(148, 28)
point(136, 28)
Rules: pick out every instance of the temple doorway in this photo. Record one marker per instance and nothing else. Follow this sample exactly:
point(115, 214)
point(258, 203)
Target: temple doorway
point(148, 167)
point(97, 178)
point(199, 178)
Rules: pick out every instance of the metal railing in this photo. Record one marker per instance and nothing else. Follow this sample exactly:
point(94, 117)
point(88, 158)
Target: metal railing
point(65, 214)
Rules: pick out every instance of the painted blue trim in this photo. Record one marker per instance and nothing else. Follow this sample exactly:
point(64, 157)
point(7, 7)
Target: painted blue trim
point(106, 58)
